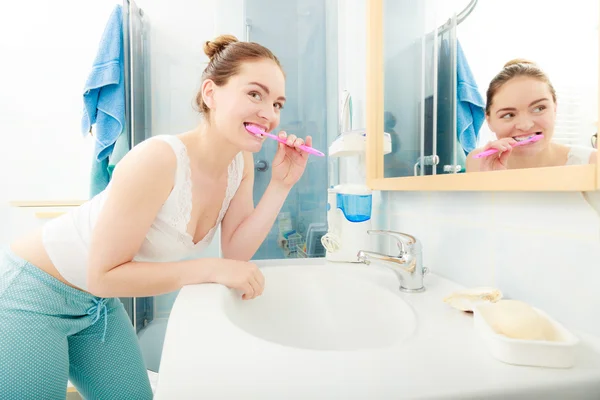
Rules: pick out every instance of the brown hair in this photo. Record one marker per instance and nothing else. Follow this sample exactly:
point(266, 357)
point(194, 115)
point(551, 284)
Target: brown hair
point(226, 55)
point(513, 69)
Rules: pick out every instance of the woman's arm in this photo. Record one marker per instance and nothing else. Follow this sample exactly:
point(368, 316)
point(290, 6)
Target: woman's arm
point(244, 227)
point(140, 185)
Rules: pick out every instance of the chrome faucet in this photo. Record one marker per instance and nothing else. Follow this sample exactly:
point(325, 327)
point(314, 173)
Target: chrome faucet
point(408, 264)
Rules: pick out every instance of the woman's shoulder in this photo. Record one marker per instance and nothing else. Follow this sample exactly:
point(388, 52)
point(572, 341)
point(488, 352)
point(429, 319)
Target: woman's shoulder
point(155, 154)
point(149, 168)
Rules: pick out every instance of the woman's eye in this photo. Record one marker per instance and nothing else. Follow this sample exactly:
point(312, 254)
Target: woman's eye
point(539, 108)
point(255, 95)
point(507, 116)
point(279, 106)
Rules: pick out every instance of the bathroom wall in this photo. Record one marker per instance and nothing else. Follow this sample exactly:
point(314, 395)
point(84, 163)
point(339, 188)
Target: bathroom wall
point(178, 31)
point(543, 248)
point(43, 72)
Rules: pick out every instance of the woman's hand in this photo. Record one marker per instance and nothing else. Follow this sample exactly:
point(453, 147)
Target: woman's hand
point(497, 161)
point(289, 161)
point(240, 275)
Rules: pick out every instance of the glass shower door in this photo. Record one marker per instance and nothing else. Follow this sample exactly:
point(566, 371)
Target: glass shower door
point(296, 32)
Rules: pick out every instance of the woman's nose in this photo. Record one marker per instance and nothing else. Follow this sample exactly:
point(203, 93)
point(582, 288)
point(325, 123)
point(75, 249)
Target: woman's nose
point(268, 114)
point(524, 124)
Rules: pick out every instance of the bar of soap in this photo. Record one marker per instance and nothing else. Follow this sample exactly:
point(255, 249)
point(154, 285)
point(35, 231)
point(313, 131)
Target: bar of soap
point(518, 320)
point(467, 299)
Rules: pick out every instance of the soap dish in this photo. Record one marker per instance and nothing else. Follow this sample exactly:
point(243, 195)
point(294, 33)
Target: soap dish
point(536, 353)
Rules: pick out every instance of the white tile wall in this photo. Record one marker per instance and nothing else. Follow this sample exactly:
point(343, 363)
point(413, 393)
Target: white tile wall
point(542, 248)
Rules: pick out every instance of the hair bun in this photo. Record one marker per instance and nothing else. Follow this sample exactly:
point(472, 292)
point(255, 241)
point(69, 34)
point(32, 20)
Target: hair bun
point(214, 47)
point(519, 61)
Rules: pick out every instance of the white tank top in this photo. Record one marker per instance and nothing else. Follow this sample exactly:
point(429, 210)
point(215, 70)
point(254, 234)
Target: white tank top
point(67, 238)
point(579, 155)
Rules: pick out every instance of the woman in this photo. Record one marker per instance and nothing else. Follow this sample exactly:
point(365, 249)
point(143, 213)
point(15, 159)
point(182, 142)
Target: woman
point(59, 311)
point(521, 103)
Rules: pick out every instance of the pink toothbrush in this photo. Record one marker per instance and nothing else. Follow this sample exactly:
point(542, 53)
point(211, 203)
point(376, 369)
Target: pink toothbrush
point(493, 151)
point(257, 131)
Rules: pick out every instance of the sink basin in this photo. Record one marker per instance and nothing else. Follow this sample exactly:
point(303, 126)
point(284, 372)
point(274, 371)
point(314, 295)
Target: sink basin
point(317, 308)
point(326, 330)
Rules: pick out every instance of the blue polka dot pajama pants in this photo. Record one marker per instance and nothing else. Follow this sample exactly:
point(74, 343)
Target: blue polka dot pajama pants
point(51, 332)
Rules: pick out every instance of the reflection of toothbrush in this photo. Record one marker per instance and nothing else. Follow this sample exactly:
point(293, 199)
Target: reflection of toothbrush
point(257, 131)
point(532, 139)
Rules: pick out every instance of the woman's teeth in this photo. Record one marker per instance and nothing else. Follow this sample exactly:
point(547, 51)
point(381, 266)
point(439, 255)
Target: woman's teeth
point(522, 138)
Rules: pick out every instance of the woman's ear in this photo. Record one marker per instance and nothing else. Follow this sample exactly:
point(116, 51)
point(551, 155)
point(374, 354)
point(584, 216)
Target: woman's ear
point(208, 92)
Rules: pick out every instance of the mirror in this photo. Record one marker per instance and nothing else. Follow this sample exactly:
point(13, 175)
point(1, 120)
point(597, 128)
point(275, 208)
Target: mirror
point(437, 61)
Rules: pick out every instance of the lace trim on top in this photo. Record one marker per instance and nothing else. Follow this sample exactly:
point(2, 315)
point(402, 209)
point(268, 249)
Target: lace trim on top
point(182, 217)
point(184, 203)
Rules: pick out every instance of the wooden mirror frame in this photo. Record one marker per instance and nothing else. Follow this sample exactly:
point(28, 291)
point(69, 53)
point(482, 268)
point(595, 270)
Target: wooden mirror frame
point(568, 178)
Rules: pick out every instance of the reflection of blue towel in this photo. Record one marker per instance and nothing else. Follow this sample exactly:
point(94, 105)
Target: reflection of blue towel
point(104, 96)
point(471, 106)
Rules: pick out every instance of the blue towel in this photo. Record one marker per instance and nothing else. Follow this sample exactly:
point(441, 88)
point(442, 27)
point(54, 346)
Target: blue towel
point(104, 91)
point(102, 170)
point(100, 176)
point(471, 106)
point(121, 148)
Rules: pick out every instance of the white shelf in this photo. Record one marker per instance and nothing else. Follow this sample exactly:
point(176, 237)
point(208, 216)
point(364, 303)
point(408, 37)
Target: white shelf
point(354, 142)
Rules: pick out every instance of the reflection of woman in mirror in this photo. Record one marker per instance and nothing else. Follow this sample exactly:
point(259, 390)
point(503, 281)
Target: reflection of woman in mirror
point(521, 103)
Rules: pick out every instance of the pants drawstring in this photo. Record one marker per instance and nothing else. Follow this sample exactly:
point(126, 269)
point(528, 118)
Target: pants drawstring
point(96, 309)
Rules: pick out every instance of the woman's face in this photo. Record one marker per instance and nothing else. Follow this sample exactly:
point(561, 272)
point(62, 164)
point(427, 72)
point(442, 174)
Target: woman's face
point(255, 95)
point(521, 108)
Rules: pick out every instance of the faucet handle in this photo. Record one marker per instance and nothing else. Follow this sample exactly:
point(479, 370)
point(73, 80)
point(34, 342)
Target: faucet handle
point(402, 239)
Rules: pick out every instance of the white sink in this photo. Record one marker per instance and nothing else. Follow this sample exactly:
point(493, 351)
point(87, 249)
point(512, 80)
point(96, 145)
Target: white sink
point(313, 307)
point(344, 331)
